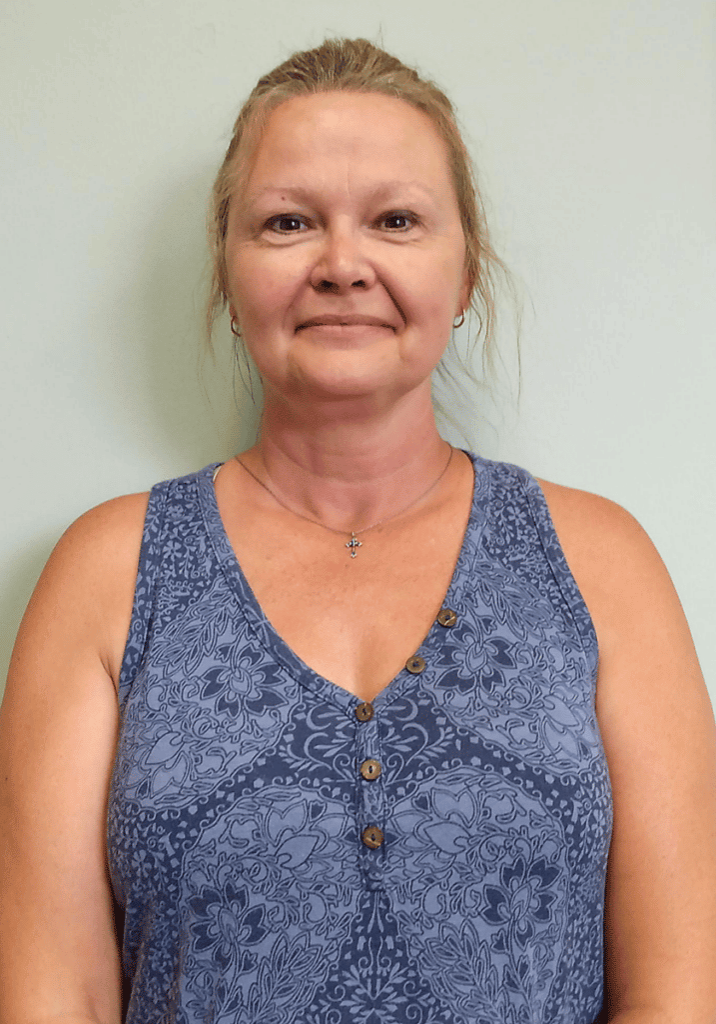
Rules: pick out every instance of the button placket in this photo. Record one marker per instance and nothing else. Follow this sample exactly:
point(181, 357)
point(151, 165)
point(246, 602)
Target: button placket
point(370, 781)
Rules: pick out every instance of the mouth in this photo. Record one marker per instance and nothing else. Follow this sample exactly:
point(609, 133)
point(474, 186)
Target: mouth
point(345, 320)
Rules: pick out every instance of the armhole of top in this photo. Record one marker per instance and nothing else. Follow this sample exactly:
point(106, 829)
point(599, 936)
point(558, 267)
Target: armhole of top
point(563, 576)
point(150, 557)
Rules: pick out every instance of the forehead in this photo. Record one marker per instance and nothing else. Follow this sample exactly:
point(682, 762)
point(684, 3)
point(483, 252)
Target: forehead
point(351, 135)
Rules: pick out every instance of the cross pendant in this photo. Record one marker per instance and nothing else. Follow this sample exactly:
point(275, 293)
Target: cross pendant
point(354, 544)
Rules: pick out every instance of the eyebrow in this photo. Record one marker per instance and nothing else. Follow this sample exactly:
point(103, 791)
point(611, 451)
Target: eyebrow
point(381, 191)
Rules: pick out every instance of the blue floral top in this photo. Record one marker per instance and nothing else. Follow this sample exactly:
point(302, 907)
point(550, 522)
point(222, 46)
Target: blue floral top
point(286, 854)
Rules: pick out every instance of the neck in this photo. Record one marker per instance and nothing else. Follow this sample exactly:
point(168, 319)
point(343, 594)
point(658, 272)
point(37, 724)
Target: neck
point(349, 472)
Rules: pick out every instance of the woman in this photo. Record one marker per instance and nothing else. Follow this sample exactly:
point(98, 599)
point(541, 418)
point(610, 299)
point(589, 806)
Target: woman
point(343, 713)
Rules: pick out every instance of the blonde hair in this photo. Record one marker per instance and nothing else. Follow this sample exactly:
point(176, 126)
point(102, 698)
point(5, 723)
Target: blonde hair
point(355, 65)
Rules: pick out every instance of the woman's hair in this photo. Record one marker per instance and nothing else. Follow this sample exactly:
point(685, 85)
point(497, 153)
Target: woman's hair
point(355, 65)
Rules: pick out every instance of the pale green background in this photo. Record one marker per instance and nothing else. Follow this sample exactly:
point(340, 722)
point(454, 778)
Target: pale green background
point(593, 125)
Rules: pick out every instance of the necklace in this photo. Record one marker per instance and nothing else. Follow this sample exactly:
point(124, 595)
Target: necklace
point(353, 544)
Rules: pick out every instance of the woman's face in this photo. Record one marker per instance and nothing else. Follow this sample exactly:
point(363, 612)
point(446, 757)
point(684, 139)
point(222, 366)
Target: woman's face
point(345, 254)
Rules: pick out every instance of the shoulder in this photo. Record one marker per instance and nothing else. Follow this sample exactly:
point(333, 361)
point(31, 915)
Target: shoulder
point(606, 548)
point(594, 529)
point(87, 586)
point(584, 520)
point(616, 566)
point(102, 538)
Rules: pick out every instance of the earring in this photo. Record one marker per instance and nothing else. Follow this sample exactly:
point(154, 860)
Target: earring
point(241, 357)
point(460, 322)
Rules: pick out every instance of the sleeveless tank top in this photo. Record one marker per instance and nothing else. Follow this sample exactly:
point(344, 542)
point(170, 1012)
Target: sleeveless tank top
point(287, 854)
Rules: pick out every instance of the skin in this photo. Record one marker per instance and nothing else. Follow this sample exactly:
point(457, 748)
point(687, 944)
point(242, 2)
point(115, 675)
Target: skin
point(348, 437)
point(323, 232)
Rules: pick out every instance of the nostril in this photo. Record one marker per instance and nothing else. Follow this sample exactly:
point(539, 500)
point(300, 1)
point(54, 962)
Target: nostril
point(332, 286)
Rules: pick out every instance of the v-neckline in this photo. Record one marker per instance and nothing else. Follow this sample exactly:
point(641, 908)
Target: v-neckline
point(274, 643)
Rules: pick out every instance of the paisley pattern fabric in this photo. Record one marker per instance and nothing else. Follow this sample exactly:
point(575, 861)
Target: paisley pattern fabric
point(237, 806)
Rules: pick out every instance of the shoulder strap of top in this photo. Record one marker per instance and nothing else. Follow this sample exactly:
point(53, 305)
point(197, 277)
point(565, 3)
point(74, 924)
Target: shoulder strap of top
point(170, 530)
point(523, 533)
point(560, 569)
point(150, 557)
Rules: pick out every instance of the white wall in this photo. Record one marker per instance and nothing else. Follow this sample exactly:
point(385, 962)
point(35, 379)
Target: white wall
point(593, 124)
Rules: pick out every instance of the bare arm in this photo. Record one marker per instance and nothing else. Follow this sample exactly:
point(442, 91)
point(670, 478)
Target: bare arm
point(58, 730)
point(658, 731)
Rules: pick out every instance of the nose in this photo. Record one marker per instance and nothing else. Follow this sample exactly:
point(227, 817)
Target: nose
point(341, 263)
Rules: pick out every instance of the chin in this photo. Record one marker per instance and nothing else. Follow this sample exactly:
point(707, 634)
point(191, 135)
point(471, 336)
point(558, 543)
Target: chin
point(367, 392)
point(378, 377)
point(336, 387)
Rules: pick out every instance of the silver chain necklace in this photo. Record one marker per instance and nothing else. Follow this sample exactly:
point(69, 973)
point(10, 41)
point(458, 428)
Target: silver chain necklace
point(353, 544)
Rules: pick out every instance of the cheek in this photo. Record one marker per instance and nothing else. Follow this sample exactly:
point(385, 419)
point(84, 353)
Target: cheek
point(435, 303)
point(433, 286)
point(257, 296)
point(262, 291)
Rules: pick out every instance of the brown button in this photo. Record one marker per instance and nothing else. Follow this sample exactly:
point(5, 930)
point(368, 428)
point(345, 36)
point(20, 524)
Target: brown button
point(447, 617)
point(370, 769)
point(363, 712)
point(372, 837)
point(416, 664)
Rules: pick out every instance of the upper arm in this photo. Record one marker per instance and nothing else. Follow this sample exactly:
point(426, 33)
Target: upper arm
point(58, 730)
point(658, 731)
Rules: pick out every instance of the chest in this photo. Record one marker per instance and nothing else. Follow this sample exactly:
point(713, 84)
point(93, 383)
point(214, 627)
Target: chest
point(247, 796)
point(354, 620)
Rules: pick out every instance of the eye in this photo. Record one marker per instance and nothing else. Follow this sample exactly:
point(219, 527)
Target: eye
point(399, 220)
point(286, 224)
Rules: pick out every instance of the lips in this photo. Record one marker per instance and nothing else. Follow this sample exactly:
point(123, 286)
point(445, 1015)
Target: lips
point(344, 320)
